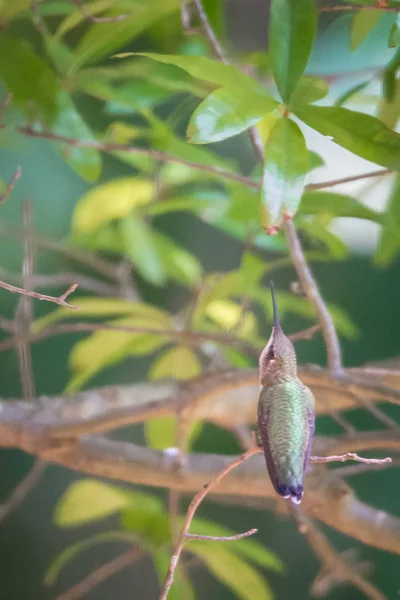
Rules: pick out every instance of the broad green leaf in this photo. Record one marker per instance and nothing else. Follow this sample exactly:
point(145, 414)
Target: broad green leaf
point(239, 576)
point(212, 71)
point(389, 240)
point(309, 90)
point(394, 36)
point(31, 81)
point(336, 205)
point(248, 548)
point(285, 169)
point(105, 307)
point(89, 500)
point(161, 433)
point(229, 315)
point(389, 77)
point(141, 247)
point(68, 122)
point(292, 30)
point(181, 588)
point(389, 110)
point(364, 22)
point(265, 126)
point(153, 527)
point(225, 113)
point(179, 362)
point(359, 133)
point(71, 552)
point(101, 39)
point(112, 200)
point(177, 262)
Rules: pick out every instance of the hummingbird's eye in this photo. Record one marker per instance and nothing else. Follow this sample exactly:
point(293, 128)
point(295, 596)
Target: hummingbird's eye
point(271, 354)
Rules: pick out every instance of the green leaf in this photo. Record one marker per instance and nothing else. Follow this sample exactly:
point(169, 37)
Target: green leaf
point(244, 580)
point(9, 10)
point(71, 552)
point(291, 36)
point(318, 233)
point(152, 526)
point(212, 71)
point(389, 240)
point(359, 133)
point(364, 22)
point(333, 205)
point(68, 122)
point(31, 81)
point(141, 247)
point(309, 90)
point(179, 362)
point(181, 588)
point(105, 307)
point(394, 35)
point(160, 433)
point(389, 110)
point(389, 77)
point(226, 113)
point(177, 262)
point(95, 207)
point(101, 39)
point(285, 169)
point(89, 500)
point(247, 548)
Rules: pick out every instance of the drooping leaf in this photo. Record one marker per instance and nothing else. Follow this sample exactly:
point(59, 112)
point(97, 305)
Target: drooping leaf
point(389, 110)
point(177, 262)
point(309, 90)
point(334, 205)
point(228, 315)
point(357, 132)
point(226, 113)
point(141, 247)
point(89, 500)
point(292, 30)
point(28, 77)
point(242, 578)
point(181, 588)
point(394, 36)
point(71, 552)
point(285, 169)
point(389, 240)
point(364, 22)
point(179, 362)
point(105, 307)
point(389, 77)
point(111, 200)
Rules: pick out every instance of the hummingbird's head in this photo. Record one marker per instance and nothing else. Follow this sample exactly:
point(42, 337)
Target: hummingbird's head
point(278, 359)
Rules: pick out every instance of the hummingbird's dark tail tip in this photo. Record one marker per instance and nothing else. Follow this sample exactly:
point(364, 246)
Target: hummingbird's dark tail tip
point(294, 493)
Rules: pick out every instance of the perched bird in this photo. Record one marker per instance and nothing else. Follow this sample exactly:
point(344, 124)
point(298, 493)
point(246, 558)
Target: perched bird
point(286, 415)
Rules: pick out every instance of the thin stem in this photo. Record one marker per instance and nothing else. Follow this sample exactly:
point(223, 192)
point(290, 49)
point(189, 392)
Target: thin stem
point(224, 538)
point(350, 456)
point(99, 575)
point(310, 287)
point(89, 17)
point(198, 498)
point(326, 184)
point(22, 490)
point(10, 185)
point(357, 7)
point(60, 300)
point(209, 32)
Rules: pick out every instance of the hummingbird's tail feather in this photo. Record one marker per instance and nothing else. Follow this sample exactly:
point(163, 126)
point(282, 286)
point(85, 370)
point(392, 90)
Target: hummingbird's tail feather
point(294, 492)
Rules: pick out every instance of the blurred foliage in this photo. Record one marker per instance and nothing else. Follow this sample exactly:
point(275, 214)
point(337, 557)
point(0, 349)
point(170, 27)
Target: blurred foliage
point(158, 111)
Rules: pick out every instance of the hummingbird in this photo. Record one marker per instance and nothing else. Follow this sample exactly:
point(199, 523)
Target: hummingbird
point(286, 417)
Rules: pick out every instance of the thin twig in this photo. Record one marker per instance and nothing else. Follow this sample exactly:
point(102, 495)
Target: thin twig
point(216, 538)
point(10, 185)
point(310, 287)
point(89, 17)
point(209, 32)
point(350, 456)
point(56, 300)
point(22, 490)
point(99, 575)
point(201, 494)
point(326, 184)
point(357, 7)
point(351, 470)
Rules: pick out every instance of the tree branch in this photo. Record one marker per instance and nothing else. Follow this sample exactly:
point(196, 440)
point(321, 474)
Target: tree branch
point(356, 7)
point(60, 300)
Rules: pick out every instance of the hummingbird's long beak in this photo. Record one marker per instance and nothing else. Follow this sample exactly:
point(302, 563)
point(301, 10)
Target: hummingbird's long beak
point(277, 323)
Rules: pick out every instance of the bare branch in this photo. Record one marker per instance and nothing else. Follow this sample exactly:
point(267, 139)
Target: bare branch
point(356, 7)
point(216, 538)
point(22, 490)
point(89, 17)
point(201, 494)
point(10, 185)
point(350, 456)
point(350, 178)
point(100, 574)
point(61, 300)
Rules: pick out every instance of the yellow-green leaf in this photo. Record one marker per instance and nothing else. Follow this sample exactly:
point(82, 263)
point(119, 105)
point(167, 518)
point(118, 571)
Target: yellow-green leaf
point(179, 362)
point(140, 244)
point(228, 315)
point(363, 23)
point(89, 500)
point(112, 200)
